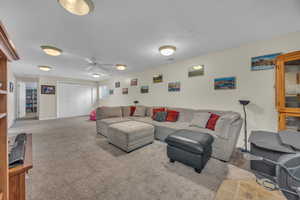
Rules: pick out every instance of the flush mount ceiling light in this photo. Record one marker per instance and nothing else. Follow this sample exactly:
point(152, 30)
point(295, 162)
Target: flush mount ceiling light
point(77, 7)
point(45, 68)
point(167, 50)
point(96, 75)
point(197, 67)
point(121, 67)
point(51, 51)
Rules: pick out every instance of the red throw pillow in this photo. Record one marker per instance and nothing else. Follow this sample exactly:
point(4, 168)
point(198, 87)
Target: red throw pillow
point(156, 110)
point(132, 110)
point(211, 123)
point(172, 115)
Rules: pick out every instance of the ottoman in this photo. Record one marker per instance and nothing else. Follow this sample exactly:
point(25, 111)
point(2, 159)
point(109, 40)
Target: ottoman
point(130, 135)
point(191, 148)
point(103, 124)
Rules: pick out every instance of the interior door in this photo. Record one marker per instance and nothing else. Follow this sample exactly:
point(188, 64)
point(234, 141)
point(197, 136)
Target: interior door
point(74, 100)
point(21, 99)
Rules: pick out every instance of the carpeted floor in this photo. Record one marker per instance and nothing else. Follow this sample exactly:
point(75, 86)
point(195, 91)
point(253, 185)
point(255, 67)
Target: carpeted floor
point(72, 162)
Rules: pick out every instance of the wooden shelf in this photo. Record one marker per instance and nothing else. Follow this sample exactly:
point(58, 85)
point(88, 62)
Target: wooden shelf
point(2, 115)
point(3, 92)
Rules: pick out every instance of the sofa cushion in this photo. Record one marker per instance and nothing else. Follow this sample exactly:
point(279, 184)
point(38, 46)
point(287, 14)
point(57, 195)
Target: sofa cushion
point(108, 112)
point(212, 121)
point(172, 115)
point(140, 111)
point(200, 119)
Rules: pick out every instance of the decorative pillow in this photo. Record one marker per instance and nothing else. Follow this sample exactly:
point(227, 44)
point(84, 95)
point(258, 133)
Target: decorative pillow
point(160, 116)
point(155, 110)
point(200, 119)
point(212, 121)
point(132, 109)
point(140, 111)
point(172, 115)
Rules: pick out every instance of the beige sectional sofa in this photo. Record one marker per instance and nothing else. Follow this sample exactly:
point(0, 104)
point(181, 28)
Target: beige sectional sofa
point(226, 132)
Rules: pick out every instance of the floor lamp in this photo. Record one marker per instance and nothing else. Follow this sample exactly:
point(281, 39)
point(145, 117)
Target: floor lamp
point(244, 103)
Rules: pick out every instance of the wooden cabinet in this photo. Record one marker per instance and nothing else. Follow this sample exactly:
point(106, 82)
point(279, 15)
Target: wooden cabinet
point(7, 53)
point(288, 91)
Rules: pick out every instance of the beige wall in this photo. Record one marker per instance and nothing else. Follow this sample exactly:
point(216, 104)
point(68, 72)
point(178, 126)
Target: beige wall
point(11, 98)
point(198, 92)
point(48, 103)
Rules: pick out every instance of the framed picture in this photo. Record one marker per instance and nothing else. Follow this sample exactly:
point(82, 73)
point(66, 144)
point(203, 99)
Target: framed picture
point(11, 87)
point(264, 62)
point(117, 84)
point(47, 89)
point(134, 82)
point(111, 91)
point(158, 78)
point(174, 86)
point(225, 83)
point(144, 89)
point(125, 91)
point(196, 70)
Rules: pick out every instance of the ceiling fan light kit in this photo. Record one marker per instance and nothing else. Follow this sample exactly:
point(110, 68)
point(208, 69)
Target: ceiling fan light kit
point(77, 7)
point(167, 50)
point(51, 51)
point(45, 68)
point(121, 67)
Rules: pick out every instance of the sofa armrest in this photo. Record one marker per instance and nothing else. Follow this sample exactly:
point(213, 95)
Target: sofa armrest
point(225, 123)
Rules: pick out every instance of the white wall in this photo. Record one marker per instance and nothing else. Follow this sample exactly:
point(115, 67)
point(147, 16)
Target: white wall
point(11, 98)
point(198, 92)
point(48, 103)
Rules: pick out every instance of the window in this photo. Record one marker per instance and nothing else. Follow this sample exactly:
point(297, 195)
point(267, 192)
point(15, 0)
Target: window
point(103, 92)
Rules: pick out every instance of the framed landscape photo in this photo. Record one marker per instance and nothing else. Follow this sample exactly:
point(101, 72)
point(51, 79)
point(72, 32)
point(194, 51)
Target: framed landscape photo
point(158, 78)
point(134, 82)
point(47, 89)
point(174, 86)
point(225, 83)
point(144, 89)
point(117, 84)
point(111, 91)
point(196, 70)
point(264, 62)
point(125, 91)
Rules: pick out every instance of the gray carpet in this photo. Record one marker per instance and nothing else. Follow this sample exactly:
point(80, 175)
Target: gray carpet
point(72, 162)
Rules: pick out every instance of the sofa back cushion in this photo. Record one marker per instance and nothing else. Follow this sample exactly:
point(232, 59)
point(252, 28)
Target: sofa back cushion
point(200, 119)
point(186, 115)
point(126, 111)
point(140, 111)
point(108, 112)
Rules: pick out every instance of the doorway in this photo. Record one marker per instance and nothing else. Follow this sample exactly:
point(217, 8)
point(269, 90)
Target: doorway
point(27, 100)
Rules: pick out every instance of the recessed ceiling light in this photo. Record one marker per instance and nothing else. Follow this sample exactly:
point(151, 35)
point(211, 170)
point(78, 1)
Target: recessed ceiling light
point(197, 67)
point(52, 51)
point(167, 50)
point(96, 75)
point(45, 68)
point(121, 67)
point(77, 7)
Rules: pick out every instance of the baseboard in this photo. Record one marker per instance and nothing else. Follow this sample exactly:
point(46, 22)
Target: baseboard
point(47, 118)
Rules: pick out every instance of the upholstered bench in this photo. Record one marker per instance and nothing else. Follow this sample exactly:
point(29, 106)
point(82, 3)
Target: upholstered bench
point(191, 148)
point(130, 135)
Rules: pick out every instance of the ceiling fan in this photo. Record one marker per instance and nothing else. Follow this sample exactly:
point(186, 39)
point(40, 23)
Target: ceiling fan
point(96, 67)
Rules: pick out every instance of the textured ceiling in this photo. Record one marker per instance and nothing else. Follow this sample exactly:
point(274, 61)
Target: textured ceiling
point(131, 31)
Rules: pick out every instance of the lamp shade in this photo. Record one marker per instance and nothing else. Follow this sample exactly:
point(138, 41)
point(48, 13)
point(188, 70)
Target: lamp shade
point(244, 102)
